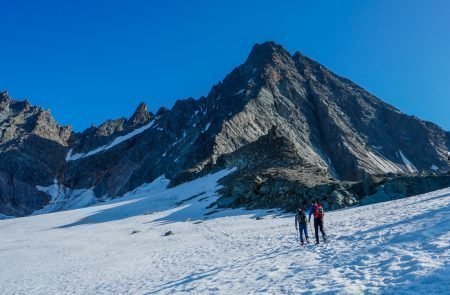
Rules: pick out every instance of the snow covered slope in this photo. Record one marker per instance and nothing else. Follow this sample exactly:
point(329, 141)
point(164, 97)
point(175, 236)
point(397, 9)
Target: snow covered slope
point(398, 247)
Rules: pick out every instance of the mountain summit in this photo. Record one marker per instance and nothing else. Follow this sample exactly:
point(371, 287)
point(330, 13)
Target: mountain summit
point(293, 129)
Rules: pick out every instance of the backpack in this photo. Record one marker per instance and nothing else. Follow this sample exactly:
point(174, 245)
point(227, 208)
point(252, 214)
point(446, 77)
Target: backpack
point(301, 217)
point(318, 212)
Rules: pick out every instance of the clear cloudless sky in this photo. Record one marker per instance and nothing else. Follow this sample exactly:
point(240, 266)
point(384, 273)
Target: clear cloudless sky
point(88, 61)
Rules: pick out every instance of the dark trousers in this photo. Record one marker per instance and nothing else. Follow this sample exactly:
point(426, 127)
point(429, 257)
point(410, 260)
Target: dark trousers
point(318, 224)
point(303, 229)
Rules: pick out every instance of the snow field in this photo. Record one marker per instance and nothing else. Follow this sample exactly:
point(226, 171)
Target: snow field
point(398, 247)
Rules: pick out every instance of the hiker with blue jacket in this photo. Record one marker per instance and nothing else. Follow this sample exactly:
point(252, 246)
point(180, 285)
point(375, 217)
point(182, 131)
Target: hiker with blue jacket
point(300, 224)
point(319, 214)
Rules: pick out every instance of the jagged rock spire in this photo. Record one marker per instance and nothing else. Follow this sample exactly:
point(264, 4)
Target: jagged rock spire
point(140, 116)
point(4, 96)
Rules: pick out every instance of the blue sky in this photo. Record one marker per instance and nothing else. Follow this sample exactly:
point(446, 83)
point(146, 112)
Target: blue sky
point(88, 61)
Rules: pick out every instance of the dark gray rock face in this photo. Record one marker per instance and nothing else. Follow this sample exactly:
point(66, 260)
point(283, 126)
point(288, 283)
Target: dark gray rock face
point(94, 137)
point(273, 174)
point(392, 188)
point(294, 130)
point(32, 150)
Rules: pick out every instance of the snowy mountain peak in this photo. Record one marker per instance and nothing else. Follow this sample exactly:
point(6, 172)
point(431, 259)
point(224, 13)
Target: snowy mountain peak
point(332, 140)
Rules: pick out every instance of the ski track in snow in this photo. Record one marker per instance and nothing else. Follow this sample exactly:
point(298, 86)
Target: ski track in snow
point(397, 247)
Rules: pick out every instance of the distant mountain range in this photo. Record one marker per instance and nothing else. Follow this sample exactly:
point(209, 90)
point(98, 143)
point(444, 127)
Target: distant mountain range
point(293, 129)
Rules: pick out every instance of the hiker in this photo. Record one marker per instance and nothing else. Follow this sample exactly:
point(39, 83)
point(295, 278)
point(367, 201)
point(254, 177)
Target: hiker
point(317, 210)
point(300, 224)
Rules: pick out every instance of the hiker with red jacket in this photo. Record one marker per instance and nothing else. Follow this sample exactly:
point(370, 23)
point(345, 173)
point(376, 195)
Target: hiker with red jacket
point(319, 214)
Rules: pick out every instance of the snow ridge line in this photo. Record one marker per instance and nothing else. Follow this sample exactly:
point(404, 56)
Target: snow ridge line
point(110, 145)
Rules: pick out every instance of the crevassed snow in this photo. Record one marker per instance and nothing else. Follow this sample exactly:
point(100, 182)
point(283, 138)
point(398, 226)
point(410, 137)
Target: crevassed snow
point(120, 247)
point(407, 163)
point(53, 190)
point(383, 164)
point(115, 142)
point(63, 198)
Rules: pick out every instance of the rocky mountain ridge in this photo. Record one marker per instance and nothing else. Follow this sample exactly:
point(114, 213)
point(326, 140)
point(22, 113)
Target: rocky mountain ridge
point(277, 116)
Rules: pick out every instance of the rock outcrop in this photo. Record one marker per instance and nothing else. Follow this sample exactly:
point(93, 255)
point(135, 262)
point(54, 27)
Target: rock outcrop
point(294, 129)
point(32, 150)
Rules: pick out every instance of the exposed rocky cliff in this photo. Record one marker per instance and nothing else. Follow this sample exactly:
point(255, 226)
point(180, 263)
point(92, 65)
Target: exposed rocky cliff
point(32, 150)
point(293, 129)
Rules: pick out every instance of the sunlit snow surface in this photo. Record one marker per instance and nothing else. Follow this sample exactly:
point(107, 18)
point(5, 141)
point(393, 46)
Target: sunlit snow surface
point(398, 247)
